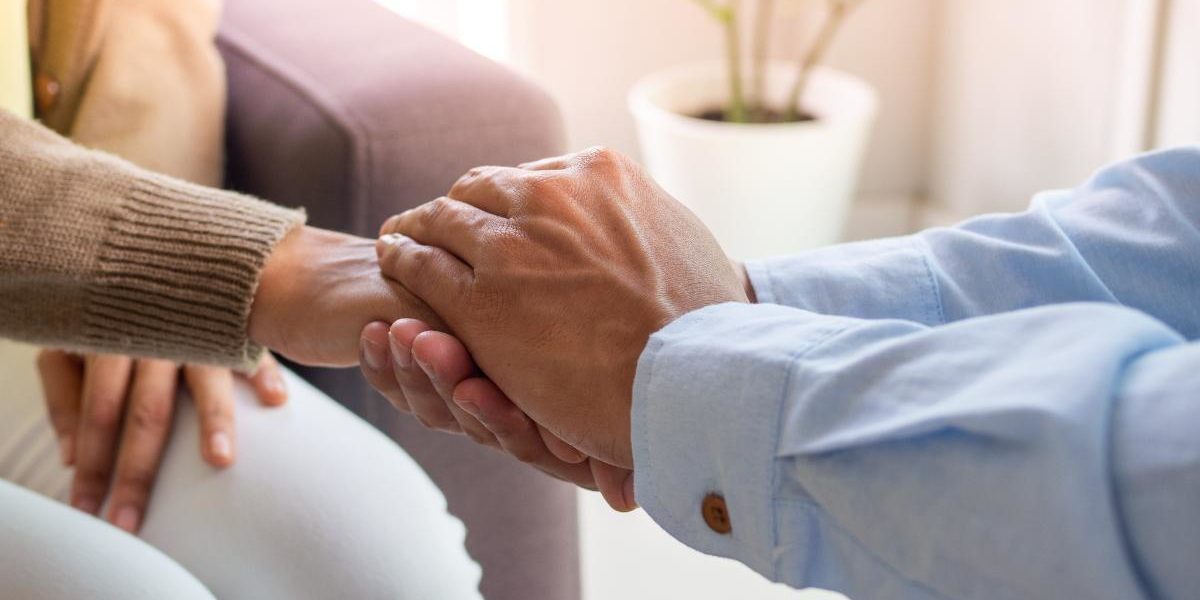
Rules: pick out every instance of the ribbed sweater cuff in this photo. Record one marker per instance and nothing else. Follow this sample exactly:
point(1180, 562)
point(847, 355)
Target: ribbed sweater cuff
point(177, 272)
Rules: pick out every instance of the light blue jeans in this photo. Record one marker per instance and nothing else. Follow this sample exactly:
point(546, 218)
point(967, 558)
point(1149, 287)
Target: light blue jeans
point(319, 505)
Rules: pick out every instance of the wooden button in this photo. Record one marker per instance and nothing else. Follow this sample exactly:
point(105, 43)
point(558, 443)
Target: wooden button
point(46, 90)
point(716, 514)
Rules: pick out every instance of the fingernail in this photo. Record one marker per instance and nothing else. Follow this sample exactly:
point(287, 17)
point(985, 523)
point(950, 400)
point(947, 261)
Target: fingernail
point(87, 505)
point(470, 407)
point(429, 371)
point(220, 446)
point(627, 492)
point(66, 449)
point(128, 518)
point(276, 383)
point(400, 353)
point(373, 354)
point(392, 239)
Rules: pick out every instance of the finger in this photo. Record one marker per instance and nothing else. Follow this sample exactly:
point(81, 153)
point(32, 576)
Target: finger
point(434, 275)
point(375, 362)
point(514, 430)
point(447, 362)
point(443, 363)
point(62, 385)
point(616, 485)
point(564, 451)
point(427, 406)
point(143, 439)
point(489, 188)
point(268, 382)
point(212, 390)
point(449, 224)
point(105, 385)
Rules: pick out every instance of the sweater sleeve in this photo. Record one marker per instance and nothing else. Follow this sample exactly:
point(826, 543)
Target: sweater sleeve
point(98, 255)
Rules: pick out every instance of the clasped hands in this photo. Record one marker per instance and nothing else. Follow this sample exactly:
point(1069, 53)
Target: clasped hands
point(554, 275)
point(550, 279)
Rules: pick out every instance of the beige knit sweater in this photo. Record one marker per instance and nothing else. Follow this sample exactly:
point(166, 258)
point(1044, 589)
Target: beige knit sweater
point(98, 255)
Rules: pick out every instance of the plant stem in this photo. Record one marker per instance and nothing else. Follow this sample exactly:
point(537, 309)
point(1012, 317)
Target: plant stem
point(762, 51)
point(838, 9)
point(737, 97)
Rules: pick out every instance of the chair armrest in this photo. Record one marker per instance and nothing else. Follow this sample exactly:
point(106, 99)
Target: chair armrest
point(357, 114)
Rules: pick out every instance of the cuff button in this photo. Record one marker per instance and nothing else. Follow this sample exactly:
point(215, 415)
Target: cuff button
point(716, 514)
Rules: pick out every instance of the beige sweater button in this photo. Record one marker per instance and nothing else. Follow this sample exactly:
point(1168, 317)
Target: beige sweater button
point(46, 90)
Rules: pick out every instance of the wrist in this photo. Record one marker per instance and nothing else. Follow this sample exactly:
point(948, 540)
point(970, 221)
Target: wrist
point(740, 268)
point(265, 306)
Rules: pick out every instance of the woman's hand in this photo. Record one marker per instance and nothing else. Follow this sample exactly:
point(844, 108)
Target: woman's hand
point(317, 291)
point(113, 415)
point(431, 375)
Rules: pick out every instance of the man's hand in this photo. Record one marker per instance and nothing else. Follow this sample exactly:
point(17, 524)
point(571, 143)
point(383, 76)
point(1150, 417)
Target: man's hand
point(113, 415)
point(431, 375)
point(317, 291)
point(555, 275)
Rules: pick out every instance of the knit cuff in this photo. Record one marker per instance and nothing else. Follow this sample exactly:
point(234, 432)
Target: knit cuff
point(177, 272)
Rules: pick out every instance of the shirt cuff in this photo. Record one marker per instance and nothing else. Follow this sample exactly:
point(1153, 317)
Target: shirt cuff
point(879, 279)
point(706, 419)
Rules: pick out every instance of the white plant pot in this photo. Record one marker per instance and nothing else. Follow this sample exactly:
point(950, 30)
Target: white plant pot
point(763, 189)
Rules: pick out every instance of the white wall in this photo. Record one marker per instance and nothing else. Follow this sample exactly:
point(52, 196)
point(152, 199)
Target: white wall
point(590, 53)
point(1178, 118)
point(1028, 98)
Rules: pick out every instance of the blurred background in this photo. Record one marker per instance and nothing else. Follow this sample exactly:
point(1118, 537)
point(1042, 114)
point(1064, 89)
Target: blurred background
point(982, 104)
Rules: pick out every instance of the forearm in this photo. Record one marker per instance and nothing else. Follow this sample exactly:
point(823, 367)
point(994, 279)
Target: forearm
point(1129, 236)
point(98, 255)
point(884, 458)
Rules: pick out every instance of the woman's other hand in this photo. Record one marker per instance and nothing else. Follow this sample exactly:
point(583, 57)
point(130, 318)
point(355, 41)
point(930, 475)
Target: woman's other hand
point(113, 415)
point(431, 375)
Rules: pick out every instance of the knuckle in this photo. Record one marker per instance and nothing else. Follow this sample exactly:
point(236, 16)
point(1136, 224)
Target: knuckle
point(473, 176)
point(103, 410)
point(134, 480)
point(601, 156)
point(419, 262)
point(433, 212)
point(149, 415)
point(214, 413)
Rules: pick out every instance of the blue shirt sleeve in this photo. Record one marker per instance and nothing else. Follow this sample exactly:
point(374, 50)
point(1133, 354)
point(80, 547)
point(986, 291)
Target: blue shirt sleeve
point(1044, 453)
point(1130, 236)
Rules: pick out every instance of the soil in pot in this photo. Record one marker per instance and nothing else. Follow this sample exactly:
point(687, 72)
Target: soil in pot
point(758, 115)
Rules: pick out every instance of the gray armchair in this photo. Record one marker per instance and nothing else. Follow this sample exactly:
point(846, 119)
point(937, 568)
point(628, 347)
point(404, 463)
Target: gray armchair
point(348, 110)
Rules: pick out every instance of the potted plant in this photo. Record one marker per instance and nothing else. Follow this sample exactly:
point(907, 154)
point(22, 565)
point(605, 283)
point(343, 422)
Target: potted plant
point(769, 158)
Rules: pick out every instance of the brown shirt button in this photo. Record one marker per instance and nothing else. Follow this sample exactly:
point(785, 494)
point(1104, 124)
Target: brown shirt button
point(716, 514)
point(45, 92)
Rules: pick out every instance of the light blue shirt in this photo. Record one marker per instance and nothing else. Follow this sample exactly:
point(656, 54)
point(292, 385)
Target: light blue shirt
point(1007, 409)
